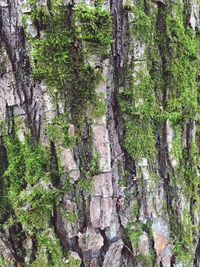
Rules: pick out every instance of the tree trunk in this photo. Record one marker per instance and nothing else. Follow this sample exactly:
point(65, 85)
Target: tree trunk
point(100, 137)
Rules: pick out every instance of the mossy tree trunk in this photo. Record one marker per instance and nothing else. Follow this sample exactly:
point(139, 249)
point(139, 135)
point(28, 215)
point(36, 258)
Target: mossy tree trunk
point(100, 137)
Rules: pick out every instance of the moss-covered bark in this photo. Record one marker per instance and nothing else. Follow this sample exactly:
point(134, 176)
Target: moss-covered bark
point(99, 108)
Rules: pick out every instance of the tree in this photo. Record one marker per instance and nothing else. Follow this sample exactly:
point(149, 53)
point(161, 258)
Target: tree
point(100, 131)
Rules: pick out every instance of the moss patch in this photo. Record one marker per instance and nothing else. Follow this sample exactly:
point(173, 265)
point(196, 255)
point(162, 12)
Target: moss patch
point(60, 56)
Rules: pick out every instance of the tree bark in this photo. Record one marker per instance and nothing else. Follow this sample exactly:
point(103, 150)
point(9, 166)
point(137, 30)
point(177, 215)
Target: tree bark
point(99, 148)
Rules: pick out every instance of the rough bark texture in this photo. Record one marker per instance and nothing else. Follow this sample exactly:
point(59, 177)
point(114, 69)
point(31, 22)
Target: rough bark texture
point(100, 143)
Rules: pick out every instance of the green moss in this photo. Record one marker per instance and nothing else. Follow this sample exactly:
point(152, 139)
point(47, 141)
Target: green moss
point(138, 105)
point(134, 237)
point(60, 56)
point(32, 196)
point(70, 217)
point(128, 5)
point(85, 184)
point(183, 238)
point(33, 206)
point(181, 71)
point(89, 168)
point(94, 165)
point(4, 262)
point(146, 260)
point(165, 90)
point(181, 65)
point(180, 53)
point(57, 131)
point(142, 25)
point(133, 233)
point(49, 251)
point(139, 139)
point(26, 162)
point(71, 262)
point(94, 25)
point(16, 167)
point(30, 192)
point(177, 150)
point(99, 107)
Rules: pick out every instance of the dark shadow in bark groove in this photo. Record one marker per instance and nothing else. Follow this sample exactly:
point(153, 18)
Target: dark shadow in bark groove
point(17, 236)
point(197, 255)
point(4, 207)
